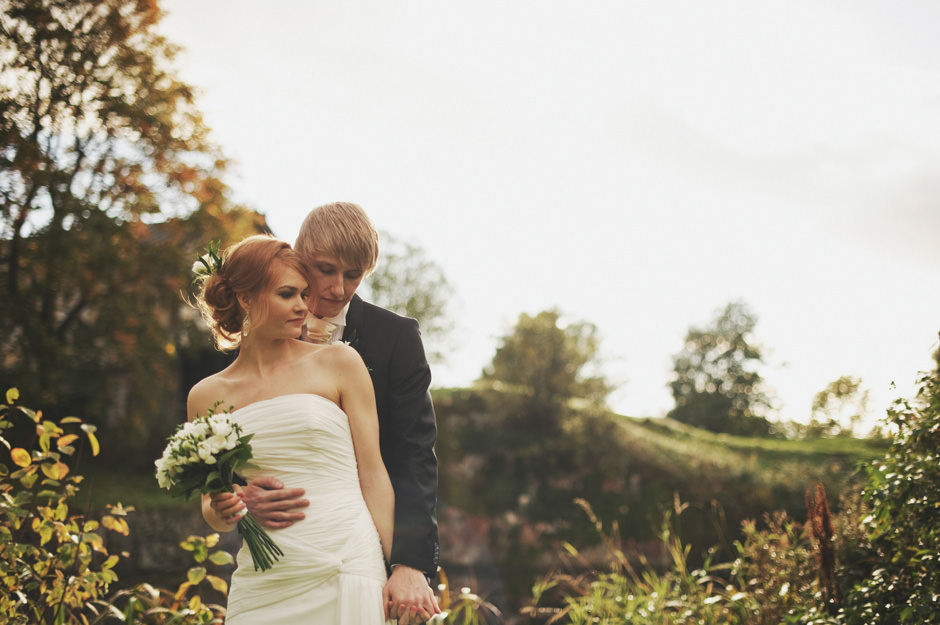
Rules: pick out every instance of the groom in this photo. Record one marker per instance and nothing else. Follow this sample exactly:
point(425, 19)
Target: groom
point(340, 246)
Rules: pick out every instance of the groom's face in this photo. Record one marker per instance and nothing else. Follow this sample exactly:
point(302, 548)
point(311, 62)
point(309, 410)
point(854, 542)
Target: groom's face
point(333, 283)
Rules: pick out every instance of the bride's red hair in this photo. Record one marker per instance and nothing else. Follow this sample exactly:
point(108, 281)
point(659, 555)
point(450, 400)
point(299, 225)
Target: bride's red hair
point(246, 270)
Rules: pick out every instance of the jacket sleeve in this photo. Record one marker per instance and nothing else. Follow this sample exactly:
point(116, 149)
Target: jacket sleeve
point(412, 463)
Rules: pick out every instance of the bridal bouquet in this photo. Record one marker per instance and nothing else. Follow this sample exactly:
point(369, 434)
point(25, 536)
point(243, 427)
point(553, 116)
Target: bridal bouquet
point(202, 457)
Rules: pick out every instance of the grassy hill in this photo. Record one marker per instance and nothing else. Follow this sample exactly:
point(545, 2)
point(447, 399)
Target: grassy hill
point(518, 473)
point(677, 448)
point(658, 456)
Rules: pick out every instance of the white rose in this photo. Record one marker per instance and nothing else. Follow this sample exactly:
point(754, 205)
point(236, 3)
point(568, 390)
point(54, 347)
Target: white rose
point(164, 473)
point(206, 454)
point(216, 443)
point(186, 430)
point(220, 426)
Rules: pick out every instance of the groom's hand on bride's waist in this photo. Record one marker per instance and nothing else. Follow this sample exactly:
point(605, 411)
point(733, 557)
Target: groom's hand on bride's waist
point(272, 505)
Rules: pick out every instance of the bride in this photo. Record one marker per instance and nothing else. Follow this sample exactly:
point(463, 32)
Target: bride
point(312, 411)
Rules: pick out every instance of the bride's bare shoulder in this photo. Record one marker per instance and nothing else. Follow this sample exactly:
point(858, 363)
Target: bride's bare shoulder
point(204, 395)
point(331, 357)
point(341, 357)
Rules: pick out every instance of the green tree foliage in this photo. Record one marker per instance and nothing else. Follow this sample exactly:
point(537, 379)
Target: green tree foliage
point(715, 382)
point(550, 361)
point(903, 582)
point(411, 284)
point(838, 409)
point(519, 447)
point(108, 184)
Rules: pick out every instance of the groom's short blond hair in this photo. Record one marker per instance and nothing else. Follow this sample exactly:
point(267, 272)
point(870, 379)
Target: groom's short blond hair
point(343, 230)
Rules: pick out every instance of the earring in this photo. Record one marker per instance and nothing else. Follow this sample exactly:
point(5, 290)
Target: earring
point(246, 325)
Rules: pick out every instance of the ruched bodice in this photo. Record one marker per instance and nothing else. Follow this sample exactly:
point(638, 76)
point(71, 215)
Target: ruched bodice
point(332, 570)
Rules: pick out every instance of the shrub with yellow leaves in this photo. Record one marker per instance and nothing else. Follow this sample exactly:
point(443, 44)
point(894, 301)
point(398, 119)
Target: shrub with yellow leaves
point(54, 563)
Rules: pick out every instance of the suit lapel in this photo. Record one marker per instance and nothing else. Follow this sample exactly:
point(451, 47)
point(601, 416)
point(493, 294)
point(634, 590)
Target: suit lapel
point(353, 319)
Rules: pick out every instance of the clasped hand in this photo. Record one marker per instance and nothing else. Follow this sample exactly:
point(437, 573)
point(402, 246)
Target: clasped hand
point(408, 597)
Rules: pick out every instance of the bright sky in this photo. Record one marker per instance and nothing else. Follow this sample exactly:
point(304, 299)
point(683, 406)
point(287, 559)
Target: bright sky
point(635, 164)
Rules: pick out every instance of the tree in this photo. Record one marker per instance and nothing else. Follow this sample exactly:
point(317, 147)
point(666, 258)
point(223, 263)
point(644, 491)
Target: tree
point(103, 160)
point(839, 408)
point(534, 436)
point(409, 283)
point(548, 361)
point(531, 431)
point(715, 382)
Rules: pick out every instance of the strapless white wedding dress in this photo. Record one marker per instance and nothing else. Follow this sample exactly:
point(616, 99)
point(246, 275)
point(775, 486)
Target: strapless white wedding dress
point(332, 570)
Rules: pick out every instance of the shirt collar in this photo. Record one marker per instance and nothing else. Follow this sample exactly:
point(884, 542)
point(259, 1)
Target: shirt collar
point(340, 319)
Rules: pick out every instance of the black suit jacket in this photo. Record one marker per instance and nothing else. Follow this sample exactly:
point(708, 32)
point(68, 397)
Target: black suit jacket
point(391, 347)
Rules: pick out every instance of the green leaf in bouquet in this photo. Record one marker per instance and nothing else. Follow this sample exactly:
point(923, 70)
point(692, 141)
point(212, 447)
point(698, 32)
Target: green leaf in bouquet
point(247, 465)
point(213, 483)
point(189, 485)
point(233, 457)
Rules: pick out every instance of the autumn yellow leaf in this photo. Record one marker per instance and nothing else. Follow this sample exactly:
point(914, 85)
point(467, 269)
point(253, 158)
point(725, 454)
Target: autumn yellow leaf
point(66, 440)
point(115, 524)
point(89, 431)
point(20, 457)
point(29, 476)
point(218, 583)
point(196, 575)
point(45, 534)
point(55, 471)
point(181, 591)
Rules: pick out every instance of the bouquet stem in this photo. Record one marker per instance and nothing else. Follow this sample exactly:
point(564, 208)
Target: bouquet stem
point(264, 552)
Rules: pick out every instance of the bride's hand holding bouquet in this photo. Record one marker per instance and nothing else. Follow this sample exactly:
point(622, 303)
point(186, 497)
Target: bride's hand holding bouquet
point(202, 457)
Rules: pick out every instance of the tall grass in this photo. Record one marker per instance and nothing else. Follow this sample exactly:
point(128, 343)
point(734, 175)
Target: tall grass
point(776, 578)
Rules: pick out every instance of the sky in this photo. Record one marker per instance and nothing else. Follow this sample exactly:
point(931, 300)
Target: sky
point(636, 165)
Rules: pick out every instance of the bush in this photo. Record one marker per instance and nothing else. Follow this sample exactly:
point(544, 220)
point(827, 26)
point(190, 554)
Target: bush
point(902, 585)
point(54, 565)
